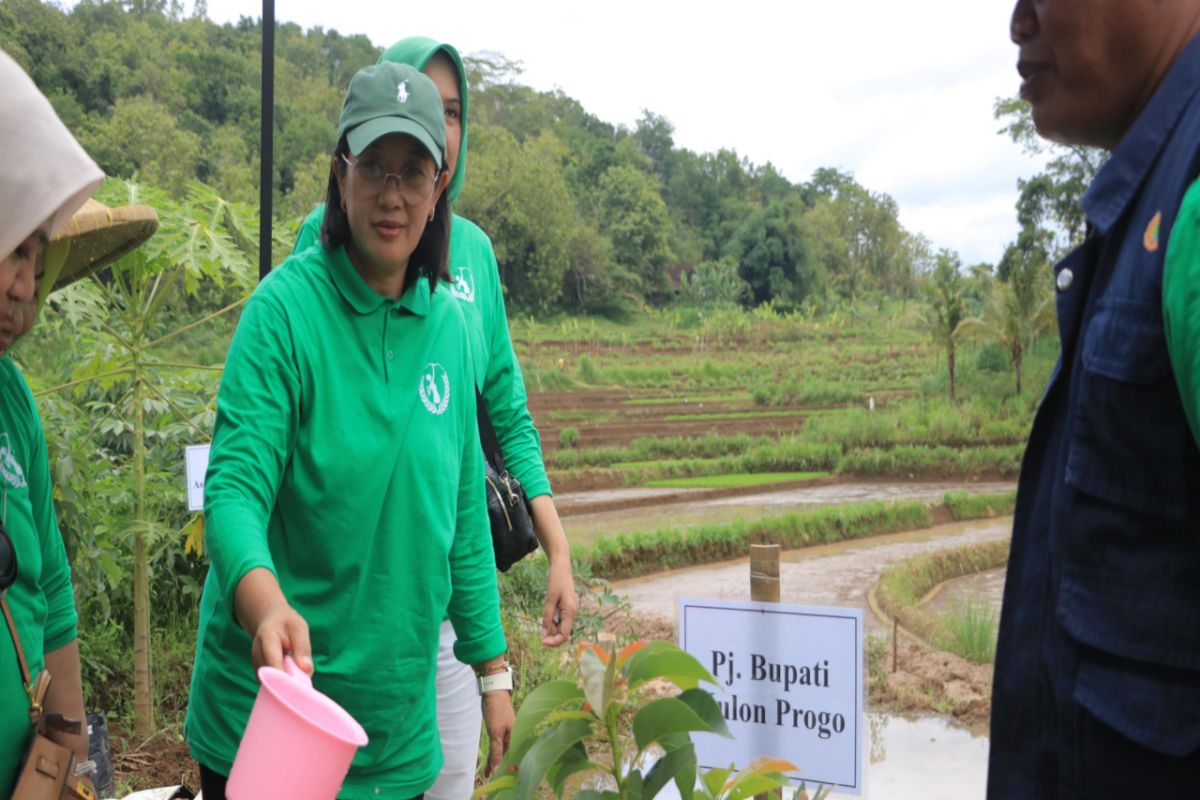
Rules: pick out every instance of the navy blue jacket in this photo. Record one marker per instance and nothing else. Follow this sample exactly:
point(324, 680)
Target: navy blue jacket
point(1097, 681)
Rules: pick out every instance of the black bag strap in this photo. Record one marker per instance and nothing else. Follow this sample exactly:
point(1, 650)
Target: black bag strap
point(487, 435)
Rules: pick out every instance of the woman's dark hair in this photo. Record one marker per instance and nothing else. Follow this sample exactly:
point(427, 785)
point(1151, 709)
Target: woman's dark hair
point(431, 255)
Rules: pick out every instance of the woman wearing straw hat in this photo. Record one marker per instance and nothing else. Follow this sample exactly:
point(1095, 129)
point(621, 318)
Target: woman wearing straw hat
point(45, 178)
point(343, 516)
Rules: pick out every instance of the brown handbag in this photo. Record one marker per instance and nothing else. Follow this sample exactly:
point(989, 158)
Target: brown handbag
point(48, 770)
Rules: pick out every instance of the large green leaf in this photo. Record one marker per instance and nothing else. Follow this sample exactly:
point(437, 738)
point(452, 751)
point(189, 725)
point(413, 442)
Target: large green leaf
point(543, 700)
point(666, 660)
point(546, 752)
point(633, 785)
point(496, 788)
point(667, 768)
point(573, 760)
point(707, 709)
point(663, 717)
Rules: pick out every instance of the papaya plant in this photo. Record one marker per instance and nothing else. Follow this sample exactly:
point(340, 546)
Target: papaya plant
point(617, 736)
point(141, 389)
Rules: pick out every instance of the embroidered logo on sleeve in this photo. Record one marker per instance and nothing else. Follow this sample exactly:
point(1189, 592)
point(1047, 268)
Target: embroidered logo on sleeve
point(10, 468)
point(1150, 237)
point(464, 285)
point(435, 389)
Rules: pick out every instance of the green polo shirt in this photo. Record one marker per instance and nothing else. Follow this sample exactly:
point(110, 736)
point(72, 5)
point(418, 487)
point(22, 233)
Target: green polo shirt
point(41, 601)
point(345, 459)
point(475, 281)
point(1181, 304)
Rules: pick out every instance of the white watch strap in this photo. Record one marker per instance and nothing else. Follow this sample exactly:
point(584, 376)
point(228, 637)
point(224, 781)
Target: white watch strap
point(496, 682)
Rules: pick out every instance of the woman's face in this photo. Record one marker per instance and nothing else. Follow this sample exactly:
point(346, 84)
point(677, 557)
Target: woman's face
point(386, 222)
point(18, 287)
point(441, 71)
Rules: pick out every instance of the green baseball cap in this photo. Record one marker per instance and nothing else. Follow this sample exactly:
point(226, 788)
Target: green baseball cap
point(393, 98)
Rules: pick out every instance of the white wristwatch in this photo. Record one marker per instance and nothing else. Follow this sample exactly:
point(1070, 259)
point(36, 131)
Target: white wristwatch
point(496, 682)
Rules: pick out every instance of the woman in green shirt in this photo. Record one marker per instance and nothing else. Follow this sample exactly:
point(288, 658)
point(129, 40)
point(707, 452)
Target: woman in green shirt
point(475, 282)
point(343, 515)
point(45, 176)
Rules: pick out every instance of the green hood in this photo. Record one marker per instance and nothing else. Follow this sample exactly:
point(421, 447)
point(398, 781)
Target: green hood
point(416, 52)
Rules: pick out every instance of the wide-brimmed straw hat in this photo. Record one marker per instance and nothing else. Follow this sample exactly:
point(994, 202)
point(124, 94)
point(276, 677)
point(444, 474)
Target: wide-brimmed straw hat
point(99, 235)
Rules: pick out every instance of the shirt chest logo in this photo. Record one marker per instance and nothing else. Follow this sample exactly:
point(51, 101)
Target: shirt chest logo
point(10, 468)
point(1150, 237)
point(435, 389)
point(463, 286)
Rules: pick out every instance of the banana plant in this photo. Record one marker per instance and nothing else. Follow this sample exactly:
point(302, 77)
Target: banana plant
point(605, 729)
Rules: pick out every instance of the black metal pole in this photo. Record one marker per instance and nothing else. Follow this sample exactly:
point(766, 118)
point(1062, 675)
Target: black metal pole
point(267, 151)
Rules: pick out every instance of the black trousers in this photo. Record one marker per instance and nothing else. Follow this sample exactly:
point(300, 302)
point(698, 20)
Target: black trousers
point(212, 785)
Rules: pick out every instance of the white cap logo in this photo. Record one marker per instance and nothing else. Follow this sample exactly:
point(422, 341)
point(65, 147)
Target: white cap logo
point(435, 389)
point(402, 92)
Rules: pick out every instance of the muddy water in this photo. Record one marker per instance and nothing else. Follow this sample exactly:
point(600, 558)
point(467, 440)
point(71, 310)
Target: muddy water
point(983, 587)
point(838, 574)
point(898, 752)
point(588, 527)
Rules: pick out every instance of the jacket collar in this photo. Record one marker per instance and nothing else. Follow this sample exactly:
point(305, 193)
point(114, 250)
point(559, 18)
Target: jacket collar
point(1119, 180)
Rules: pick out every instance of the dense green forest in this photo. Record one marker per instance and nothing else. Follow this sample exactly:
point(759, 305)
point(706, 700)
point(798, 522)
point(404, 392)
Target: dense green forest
point(586, 216)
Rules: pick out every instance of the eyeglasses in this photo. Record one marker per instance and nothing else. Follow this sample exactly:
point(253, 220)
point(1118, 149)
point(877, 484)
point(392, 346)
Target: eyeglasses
point(415, 184)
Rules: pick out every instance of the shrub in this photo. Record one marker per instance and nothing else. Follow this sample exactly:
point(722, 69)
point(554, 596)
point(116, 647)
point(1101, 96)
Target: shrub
point(568, 437)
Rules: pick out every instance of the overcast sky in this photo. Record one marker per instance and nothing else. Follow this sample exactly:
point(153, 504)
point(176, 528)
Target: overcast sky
point(898, 93)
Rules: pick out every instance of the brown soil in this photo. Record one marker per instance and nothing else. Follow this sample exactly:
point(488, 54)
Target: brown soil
point(161, 760)
point(933, 681)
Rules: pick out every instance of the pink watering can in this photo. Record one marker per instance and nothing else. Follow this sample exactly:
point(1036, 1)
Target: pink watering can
point(298, 743)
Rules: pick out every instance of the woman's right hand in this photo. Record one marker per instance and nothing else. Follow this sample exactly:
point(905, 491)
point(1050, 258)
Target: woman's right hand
point(275, 627)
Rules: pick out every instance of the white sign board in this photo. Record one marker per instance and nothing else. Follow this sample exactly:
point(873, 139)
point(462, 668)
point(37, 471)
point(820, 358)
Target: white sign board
point(196, 462)
point(790, 685)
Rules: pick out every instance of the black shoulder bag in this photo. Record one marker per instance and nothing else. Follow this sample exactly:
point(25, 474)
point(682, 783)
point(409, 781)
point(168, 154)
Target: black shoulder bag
point(507, 505)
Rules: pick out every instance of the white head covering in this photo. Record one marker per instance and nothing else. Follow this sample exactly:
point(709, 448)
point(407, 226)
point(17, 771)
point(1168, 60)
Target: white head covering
point(44, 172)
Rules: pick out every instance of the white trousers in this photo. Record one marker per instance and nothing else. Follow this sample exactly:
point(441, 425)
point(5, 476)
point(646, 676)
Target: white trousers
point(460, 719)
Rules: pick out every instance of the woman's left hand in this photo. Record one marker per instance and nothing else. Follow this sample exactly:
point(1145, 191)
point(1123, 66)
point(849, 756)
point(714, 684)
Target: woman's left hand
point(498, 718)
point(562, 604)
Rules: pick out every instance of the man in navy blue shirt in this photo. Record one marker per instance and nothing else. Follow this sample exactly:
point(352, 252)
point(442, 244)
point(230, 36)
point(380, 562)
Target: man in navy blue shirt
point(1097, 681)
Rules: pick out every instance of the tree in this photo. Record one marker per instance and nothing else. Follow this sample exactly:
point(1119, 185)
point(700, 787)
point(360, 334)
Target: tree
point(714, 283)
point(1019, 308)
point(121, 329)
point(1052, 199)
point(517, 194)
point(772, 255)
point(947, 306)
point(634, 217)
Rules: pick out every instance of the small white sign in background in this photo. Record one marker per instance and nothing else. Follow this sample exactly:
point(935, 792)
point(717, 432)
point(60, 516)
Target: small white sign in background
point(196, 462)
point(789, 684)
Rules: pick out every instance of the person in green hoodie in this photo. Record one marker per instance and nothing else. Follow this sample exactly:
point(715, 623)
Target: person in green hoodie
point(476, 283)
point(343, 516)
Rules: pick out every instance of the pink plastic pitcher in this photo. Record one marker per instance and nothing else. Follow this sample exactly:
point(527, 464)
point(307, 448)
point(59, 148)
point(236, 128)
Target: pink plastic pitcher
point(298, 743)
